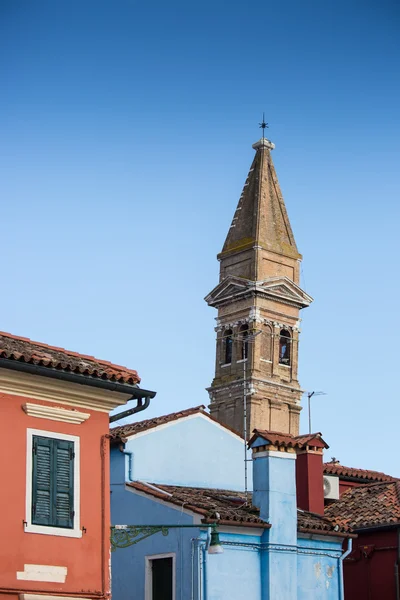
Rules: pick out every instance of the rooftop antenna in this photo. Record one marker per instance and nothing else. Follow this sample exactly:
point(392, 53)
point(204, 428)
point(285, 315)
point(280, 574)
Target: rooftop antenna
point(309, 396)
point(263, 125)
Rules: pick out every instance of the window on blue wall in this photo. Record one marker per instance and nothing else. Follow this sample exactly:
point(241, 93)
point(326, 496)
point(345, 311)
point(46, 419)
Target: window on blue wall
point(52, 482)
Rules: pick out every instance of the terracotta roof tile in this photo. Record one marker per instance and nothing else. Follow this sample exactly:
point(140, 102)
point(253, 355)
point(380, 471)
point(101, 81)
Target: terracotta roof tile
point(124, 431)
point(229, 507)
point(307, 522)
point(22, 349)
point(286, 440)
point(209, 503)
point(335, 468)
point(367, 506)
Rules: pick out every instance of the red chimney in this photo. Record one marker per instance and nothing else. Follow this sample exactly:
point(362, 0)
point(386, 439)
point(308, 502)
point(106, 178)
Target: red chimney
point(310, 473)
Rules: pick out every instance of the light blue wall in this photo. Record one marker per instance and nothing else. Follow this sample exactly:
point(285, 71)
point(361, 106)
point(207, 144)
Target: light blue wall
point(233, 575)
point(279, 565)
point(292, 567)
point(318, 565)
point(128, 564)
point(217, 453)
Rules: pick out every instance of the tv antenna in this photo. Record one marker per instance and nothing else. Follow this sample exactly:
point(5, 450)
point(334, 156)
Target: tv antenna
point(309, 396)
point(246, 339)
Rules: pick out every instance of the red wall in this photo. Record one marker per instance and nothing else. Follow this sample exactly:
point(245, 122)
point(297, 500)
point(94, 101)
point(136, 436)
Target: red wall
point(86, 558)
point(369, 570)
point(310, 482)
point(347, 485)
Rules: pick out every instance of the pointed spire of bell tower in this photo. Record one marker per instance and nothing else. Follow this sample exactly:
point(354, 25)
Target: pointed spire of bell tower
point(258, 301)
point(261, 221)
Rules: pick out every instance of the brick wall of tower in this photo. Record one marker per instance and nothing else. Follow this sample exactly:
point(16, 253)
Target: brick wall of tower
point(259, 267)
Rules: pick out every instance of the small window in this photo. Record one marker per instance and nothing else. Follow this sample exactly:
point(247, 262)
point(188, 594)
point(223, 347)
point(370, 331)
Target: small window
point(228, 342)
point(160, 582)
point(284, 347)
point(244, 341)
point(52, 482)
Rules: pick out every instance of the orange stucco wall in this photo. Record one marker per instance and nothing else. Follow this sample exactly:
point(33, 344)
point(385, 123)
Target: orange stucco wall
point(86, 558)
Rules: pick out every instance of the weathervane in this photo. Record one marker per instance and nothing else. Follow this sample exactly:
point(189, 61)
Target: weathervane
point(263, 125)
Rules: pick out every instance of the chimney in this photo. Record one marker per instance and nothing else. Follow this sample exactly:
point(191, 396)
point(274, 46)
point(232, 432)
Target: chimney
point(274, 493)
point(310, 473)
point(274, 485)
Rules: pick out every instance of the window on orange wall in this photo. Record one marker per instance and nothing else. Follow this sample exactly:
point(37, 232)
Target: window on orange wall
point(52, 482)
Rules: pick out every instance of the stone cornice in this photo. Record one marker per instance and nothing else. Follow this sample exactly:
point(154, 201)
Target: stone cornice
point(55, 413)
point(60, 392)
point(279, 289)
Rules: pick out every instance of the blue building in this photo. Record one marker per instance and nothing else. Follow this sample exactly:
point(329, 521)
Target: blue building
point(186, 471)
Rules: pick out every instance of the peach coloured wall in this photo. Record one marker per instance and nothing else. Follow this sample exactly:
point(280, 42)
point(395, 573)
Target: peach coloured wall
point(86, 558)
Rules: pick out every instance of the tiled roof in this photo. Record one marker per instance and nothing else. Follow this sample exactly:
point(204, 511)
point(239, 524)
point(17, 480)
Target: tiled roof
point(367, 506)
point(209, 503)
point(286, 440)
point(124, 431)
point(311, 437)
point(308, 522)
point(228, 507)
point(335, 468)
point(25, 350)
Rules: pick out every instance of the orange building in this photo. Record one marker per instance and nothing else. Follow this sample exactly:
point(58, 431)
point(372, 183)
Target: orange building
point(54, 469)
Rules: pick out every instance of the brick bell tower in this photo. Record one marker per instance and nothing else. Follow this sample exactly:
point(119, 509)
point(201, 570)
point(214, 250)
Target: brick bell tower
point(258, 300)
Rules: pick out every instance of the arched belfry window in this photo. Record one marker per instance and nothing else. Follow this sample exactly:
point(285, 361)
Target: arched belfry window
point(284, 347)
point(244, 341)
point(228, 342)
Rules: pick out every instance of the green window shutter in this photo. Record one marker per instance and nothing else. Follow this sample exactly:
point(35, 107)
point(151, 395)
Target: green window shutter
point(53, 482)
point(64, 483)
point(41, 481)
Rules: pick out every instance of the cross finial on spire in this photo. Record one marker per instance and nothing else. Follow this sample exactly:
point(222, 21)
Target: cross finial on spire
point(263, 125)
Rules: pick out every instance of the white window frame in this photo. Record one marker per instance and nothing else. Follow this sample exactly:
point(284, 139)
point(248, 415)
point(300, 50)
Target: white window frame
point(43, 529)
point(148, 587)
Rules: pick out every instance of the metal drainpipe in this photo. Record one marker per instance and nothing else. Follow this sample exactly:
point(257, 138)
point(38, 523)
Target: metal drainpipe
point(341, 559)
point(205, 590)
point(205, 556)
point(192, 570)
point(132, 411)
point(396, 566)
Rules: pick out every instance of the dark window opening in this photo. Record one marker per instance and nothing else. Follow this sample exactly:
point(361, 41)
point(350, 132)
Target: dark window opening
point(161, 578)
point(284, 347)
point(244, 341)
point(53, 482)
point(228, 346)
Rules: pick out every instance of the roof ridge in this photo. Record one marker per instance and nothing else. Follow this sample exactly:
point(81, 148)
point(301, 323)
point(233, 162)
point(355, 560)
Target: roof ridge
point(357, 472)
point(193, 409)
point(153, 422)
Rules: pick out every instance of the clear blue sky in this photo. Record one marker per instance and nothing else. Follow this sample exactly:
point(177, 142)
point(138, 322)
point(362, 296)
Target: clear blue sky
point(126, 132)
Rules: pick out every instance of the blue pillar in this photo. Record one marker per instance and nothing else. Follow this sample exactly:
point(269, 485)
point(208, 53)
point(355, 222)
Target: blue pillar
point(274, 483)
